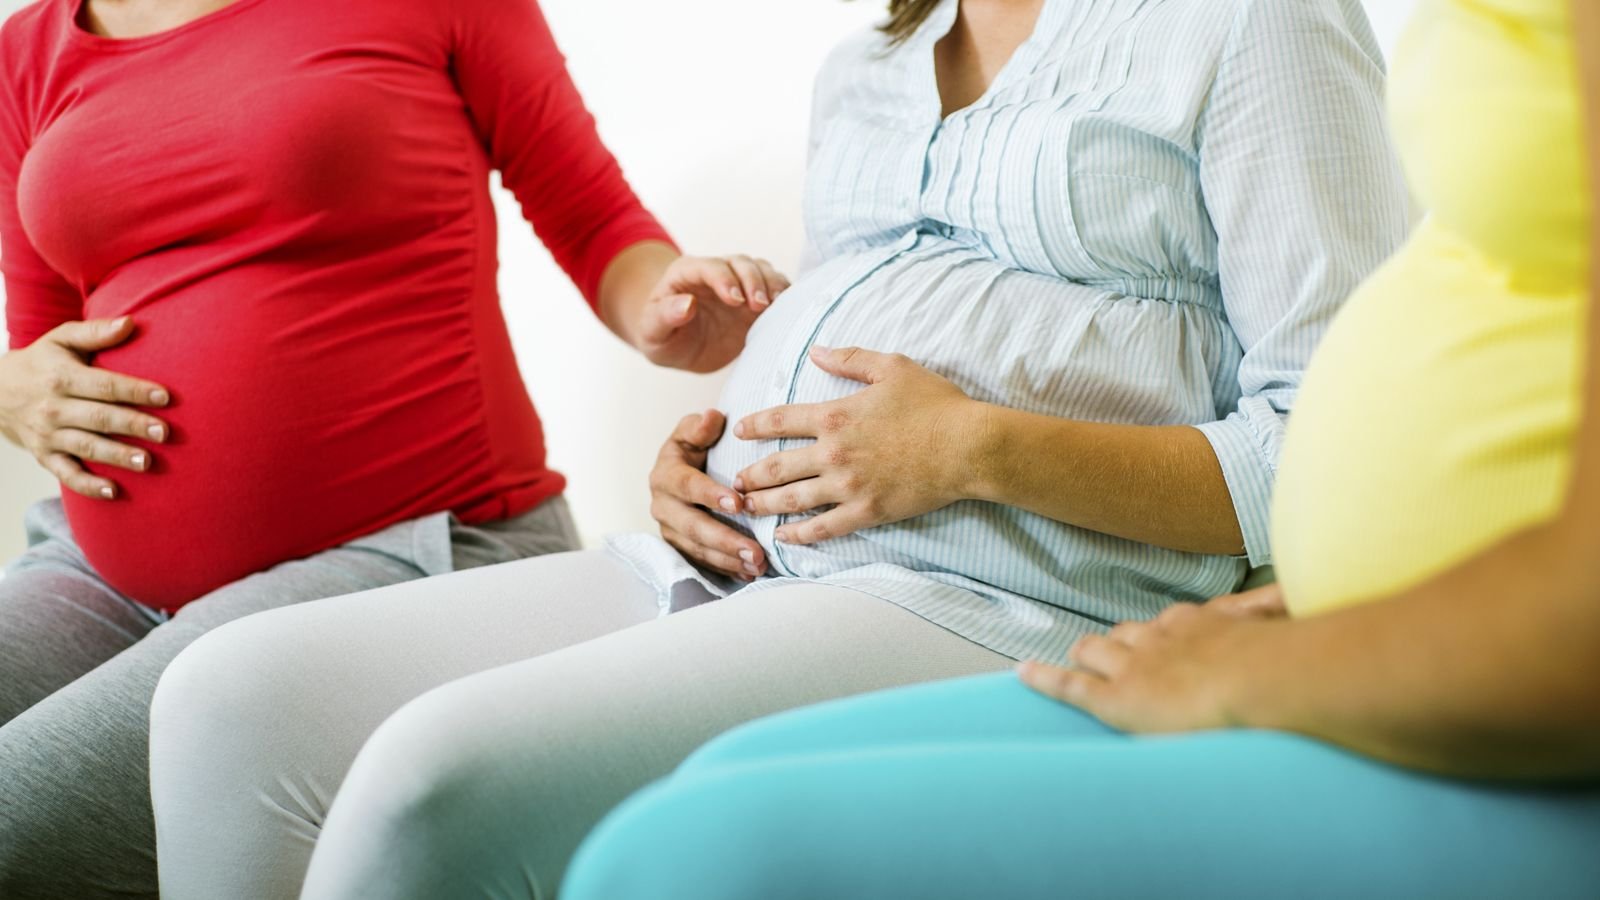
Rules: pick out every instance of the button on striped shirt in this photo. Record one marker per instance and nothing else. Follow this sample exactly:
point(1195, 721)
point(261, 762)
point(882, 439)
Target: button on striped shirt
point(1149, 218)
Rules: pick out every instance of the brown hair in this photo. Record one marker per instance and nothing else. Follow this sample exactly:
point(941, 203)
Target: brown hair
point(905, 17)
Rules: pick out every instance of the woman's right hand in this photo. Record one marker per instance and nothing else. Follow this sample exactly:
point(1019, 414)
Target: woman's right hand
point(681, 493)
point(66, 412)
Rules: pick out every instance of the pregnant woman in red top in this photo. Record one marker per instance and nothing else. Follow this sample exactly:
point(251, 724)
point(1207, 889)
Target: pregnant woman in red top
point(249, 259)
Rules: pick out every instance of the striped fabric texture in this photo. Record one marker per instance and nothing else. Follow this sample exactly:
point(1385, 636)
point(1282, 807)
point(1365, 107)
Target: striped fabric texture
point(1149, 218)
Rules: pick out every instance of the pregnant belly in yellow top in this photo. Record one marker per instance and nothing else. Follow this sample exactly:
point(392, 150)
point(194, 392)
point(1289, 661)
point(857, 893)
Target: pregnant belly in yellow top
point(1436, 419)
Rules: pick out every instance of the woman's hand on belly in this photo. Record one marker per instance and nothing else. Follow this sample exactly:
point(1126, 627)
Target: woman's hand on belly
point(895, 450)
point(65, 411)
point(681, 493)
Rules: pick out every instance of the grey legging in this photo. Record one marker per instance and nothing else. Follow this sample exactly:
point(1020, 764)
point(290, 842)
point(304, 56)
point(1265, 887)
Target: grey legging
point(79, 663)
point(484, 786)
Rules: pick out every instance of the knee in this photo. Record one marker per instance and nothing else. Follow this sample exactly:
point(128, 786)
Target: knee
point(223, 699)
point(420, 811)
point(738, 847)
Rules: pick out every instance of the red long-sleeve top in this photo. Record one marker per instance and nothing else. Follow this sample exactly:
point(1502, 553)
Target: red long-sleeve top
point(290, 198)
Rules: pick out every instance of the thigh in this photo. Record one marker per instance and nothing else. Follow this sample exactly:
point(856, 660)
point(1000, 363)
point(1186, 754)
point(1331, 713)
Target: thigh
point(75, 817)
point(58, 619)
point(254, 728)
point(1226, 815)
point(995, 707)
point(485, 786)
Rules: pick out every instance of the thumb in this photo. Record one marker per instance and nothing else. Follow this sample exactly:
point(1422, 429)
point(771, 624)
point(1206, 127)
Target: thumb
point(709, 429)
point(666, 316)
point(854, 363)
point(96, 334)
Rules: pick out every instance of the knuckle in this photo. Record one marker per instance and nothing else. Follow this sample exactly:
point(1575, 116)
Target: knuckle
point(875, 509)
point(820, 530)
point(1177, 612)
point(852, 483)
point(105, 386)
point(58, 382)
point(774, 468)
point(700, 533)
point(791, 501)
point(50, 412)
point(835, 421)
point(683, 482)
point(100, 420)
point(775, 421)
point(836, 457)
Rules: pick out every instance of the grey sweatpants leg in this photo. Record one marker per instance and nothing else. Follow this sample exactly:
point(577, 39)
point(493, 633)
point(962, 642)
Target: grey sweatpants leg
point(75, 819)
point(58, 620)
point(485, 786)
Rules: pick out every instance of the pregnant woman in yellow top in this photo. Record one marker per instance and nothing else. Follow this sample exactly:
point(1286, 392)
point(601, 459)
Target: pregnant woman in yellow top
point(1439, 551)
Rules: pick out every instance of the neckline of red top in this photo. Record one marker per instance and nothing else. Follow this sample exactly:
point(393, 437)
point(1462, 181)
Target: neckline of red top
point(75, 16)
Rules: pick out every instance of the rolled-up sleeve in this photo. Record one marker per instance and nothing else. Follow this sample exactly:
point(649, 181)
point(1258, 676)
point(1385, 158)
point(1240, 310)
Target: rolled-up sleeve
point(1307, 199)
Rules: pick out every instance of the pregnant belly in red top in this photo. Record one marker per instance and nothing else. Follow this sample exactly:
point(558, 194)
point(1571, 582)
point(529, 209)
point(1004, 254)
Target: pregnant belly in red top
point(299, 422)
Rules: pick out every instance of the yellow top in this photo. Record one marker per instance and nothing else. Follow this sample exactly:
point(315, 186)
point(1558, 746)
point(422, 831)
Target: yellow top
point(1439, 413)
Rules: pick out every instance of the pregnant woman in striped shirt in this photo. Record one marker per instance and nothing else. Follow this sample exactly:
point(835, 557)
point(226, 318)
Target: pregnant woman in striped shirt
point(1102, 236)
point(297, 382)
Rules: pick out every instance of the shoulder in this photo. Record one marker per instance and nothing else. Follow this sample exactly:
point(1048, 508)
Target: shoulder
point(33, 25)
point(1255, 21)
point(30, 40)
point(858, 60)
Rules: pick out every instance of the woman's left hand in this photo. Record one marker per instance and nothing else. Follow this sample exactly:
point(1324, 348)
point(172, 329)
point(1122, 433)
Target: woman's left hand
point(1183, 671)
point(892, 451)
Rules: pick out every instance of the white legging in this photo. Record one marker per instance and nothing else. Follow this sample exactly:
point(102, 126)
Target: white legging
point(518, 704)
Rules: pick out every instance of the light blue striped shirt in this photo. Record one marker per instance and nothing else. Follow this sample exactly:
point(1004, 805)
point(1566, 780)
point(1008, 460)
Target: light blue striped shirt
point(1149, 218)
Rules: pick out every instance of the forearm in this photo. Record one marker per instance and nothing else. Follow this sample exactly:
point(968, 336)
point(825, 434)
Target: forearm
point(1159, 485)
point(1490, 670)
point(626, 285)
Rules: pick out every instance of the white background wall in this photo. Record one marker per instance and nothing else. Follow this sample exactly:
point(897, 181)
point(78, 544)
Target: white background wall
point(705, 102)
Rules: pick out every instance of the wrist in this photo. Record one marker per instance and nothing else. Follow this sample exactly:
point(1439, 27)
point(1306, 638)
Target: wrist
point(979, 445)
point(627, 284)
point(1254, 687)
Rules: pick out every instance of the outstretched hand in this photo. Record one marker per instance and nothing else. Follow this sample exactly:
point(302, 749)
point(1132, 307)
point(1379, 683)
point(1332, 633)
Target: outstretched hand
point(700, 310)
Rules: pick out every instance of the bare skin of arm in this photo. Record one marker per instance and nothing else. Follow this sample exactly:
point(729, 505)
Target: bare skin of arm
point(1491, 670)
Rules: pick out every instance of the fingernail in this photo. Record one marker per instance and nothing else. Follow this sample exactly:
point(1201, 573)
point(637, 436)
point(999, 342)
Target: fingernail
point(138, 461)
point(119, 322)
point(737, 294)
point(156, 432)
point(738, 483)
point(748, 556)
point(761, 298)
point(818, 349)
point(107, 493)
point(738, 430)
point(749, 505)
point(159, 398)
point(782, 537)
point(751, 568)
point(682, 306)
point(728, 504)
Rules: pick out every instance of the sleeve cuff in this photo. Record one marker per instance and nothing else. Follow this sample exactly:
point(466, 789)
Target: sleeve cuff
point(1247, 444)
